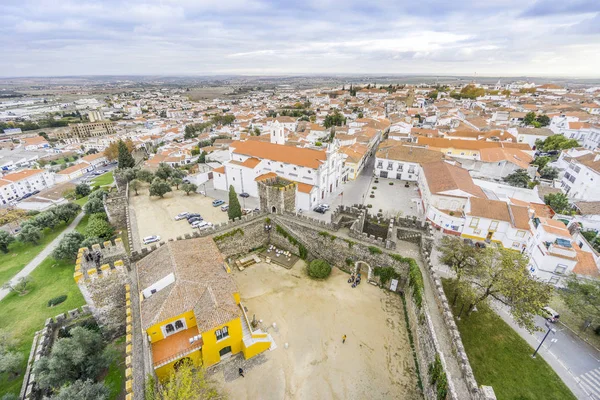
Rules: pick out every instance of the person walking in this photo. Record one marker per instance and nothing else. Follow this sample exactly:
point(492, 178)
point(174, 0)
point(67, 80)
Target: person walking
point(343, 339)
point(241, 371)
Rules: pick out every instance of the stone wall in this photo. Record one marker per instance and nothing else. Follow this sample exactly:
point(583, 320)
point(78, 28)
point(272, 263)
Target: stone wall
point(42, 345)
point(277, 195)
point(116, 203)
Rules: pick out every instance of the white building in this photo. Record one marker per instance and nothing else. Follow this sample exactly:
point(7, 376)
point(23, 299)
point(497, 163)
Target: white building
point(581, 180)
point(396, 161)
point(19, 184)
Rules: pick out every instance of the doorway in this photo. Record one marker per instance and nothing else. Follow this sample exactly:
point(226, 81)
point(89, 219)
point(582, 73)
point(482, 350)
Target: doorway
point(224, 351)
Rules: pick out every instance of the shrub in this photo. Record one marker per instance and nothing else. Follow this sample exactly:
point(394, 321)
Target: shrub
point(385, 274)
point(374, 187)
point(391, 183)
point(319, 269)
point(415, 280)
point(57, 300)
point(374, 250)
point(369, 205)
point(349, 262)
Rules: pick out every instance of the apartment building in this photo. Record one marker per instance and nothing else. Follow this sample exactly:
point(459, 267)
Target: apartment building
point(81, 132)
point(581, 180)
point(397, 161)
point(18, 184)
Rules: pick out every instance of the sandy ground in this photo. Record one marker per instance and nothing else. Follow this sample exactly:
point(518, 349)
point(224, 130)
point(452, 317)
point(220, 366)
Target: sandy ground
point(156, 216)
point(312, 316)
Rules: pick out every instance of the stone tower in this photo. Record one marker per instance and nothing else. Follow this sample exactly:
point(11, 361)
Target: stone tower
point(277, 195)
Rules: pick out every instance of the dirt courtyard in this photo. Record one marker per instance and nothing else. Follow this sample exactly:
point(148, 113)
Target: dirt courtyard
point(312, 316)
point(156, 216)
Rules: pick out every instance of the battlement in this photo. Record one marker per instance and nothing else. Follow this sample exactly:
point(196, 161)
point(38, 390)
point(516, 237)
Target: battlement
point(84, 271)
point(98, 260)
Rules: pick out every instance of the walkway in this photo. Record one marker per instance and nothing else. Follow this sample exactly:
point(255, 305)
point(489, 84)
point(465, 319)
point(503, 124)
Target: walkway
point(33, 264)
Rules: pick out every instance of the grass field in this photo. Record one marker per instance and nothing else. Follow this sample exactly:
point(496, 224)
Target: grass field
point(103, 180)
point(24, 315)
point(502, 359)
point(20, 254)
point(115, 377)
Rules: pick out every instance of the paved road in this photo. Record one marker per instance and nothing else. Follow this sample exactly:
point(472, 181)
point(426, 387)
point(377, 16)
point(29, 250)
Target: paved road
point(33, 264)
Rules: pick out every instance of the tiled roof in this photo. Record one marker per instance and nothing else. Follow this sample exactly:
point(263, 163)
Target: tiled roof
point(442, 177)
point(72, 169)
point(588, 207)
point(201, 284)
point(442, 143)
point(26, 173)
point(490, 209)
point(292, 155)
point(395, 150)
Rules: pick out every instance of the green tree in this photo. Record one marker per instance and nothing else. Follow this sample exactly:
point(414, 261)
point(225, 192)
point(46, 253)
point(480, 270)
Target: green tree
point(81, 356)
point(5, 240)
point(202, 158)
point(82, 190)
point(125, 175)
point(10, 362)
point(235, 210)
point(135, 185)
point(543, 120)
point(519, 178)
point(159, 187)
point(529, 118)
point(541, 162)
point(99, 228)
point(335, 119)
point(559, 202)
point(433, 95)
point(186, 383)
point(124, 156)
point(558, 142)
point(319, 269)
point(21, 287)
point(83, 389)
point(66, 212)
point(459, 256)
point(164, 171)
point(68, 246)
point(30, 234)
point(97, 194)
point(47, 219)
point(582, 297)
point(503, 275)
point(94, 206)
point(189, 188)
point(176, 182)
point(90, 241)
point(145, 175)
point(549, 173)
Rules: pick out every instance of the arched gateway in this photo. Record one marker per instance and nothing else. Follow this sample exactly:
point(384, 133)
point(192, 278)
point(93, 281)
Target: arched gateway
point(362, 267)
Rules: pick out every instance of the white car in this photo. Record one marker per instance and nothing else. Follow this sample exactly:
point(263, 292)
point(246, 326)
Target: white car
point(181, 215)
point(201, 224)
point(151, 239)
point(324, 206)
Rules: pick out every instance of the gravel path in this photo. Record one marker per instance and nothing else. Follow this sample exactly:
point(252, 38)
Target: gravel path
point(33, 264)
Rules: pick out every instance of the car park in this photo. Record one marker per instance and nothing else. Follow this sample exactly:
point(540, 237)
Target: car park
point(201, 224)
point(217, 203)
point(192, 215)
point(195, 219)
point(181, 215)
point(225, 207)
point(151, 239)
point(244, 194)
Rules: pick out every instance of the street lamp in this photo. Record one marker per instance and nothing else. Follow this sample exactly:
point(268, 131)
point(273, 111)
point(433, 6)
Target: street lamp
point(545, 336)
point(268, 228)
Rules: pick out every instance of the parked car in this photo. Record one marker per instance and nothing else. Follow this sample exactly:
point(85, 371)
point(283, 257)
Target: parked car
point(151, 239)
point(181, 215)
point(324, 206)
point(201, 224)
point(192, 215)
point(225, 207)
point(246, 211)
point(320, 210)
point(244, 194)
point(550, 314)
point(195, 219)
point(217, 203)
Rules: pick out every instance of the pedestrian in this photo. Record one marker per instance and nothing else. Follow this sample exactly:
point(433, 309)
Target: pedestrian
point(241, 371)
point(343, 339)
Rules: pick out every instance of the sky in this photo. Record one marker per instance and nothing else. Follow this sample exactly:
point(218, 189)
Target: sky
point(211, 37)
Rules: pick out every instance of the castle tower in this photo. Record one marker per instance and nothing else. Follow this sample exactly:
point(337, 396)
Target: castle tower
point(277, 133)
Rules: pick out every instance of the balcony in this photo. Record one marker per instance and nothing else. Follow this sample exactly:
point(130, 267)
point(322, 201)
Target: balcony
point(175, 347)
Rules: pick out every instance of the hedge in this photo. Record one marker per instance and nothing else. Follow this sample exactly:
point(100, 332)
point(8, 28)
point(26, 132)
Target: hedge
point(228, 234)
point(57, 300)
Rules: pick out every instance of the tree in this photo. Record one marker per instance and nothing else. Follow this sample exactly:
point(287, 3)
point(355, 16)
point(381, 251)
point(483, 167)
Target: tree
point(81, 356)
point(189, 188)
point(558, 142)
point(112, 151)
point(559, 202)
point(125, 175)
point(235, 210)
point(145, 175)
point(66, 212)
point(82, 190)
point(176, 182)
point(202, 158)
point(582, 296)
point(319, 269)
point(68, 246)
point(503, 275)
point(187, 382)
point(5, 240)
point(164, 171)
point(159, 187)
point(99, 228)
point(21, 287)
point(90, 241)
point(529, 118)
point(124, 156)
point(97, 194)
point(94, 206)
point(135, 185)
point(519, 178)
point(459, 256)
point(47, 219)
point(549, 173)
point(29, 234)
point(543, 120)
point(541, 162)
point(81, 389)
point(10, 362)
point(335, 119)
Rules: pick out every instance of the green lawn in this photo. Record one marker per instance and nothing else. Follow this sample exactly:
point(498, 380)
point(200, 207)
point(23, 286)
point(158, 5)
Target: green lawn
point(103, 180)
point(20, 254)
point(82, 224)
point(115, 377)
point(81, 201)
point(502, 359)
point(23, 315)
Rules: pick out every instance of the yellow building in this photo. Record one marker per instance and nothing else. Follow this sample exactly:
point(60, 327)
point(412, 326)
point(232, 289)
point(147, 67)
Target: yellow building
point(190, 307)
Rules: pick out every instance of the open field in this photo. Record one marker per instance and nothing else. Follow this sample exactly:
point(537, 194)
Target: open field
point(374, 363)
point(155, 215)
point(502, 359)
point(20, 254)
point(23, 315)
point(103, 180)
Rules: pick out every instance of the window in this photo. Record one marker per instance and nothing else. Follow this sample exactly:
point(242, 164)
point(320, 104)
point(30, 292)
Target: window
point(520, 233)
point(169, 328)
point(516, 245)
point(560, 269)
point(462, 154)
point(553, 280)
point(178, 325)
point(400, 167)
point(411, 169)
point(379, 164)
point(474, 222)
point(493, 226)
point(174, 327)
point(222, 333)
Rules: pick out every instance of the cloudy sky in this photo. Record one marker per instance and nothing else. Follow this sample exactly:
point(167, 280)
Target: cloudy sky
point(207, 37)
